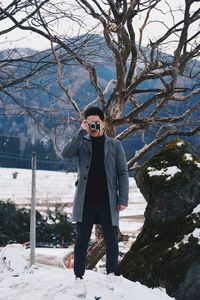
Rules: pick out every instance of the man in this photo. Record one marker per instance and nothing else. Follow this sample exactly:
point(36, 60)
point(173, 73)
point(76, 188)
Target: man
point(101, 191)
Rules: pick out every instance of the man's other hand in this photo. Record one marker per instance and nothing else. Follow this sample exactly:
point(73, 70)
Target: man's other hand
point(121, 207)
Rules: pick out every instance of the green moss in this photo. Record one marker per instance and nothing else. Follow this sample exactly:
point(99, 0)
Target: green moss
point(169, 154)
point(155, 261)
point(160, 257)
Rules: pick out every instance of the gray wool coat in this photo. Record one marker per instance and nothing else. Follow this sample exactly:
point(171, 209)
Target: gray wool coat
point(80, 145)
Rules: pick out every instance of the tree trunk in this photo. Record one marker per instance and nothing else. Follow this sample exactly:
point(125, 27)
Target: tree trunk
point(95, 252)
point(97, 249)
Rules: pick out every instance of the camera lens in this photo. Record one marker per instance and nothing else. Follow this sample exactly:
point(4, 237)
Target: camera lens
point(94, 126)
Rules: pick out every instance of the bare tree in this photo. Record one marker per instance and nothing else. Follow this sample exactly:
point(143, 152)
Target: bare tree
point(148, 83)
point(21, 68)
point(155, 91)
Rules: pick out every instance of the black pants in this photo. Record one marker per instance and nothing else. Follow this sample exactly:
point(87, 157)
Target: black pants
point(84, 228)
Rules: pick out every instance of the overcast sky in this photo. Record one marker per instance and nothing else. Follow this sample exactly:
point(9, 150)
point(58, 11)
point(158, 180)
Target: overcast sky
point(19, 38)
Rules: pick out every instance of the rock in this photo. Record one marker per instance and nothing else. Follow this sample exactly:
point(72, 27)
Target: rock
point(167, 251)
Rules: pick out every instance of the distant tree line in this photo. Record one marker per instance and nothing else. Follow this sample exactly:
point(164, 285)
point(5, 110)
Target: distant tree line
point(12, 156)
point(52, 228)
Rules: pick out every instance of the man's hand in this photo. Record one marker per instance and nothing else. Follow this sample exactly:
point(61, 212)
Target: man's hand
point(121, 207)
point(84, 125)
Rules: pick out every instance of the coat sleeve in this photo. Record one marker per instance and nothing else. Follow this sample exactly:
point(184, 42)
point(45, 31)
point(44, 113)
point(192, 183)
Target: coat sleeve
point(70, 149)
point(123, 176)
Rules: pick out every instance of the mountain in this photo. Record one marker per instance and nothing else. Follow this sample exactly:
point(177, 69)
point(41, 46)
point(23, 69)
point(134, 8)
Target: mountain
point(51, 113)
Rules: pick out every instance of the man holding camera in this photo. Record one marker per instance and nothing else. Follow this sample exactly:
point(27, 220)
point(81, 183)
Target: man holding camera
point(101, 191)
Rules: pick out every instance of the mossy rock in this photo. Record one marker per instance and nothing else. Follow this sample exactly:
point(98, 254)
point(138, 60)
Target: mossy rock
point(175, 195)
point(167, 251)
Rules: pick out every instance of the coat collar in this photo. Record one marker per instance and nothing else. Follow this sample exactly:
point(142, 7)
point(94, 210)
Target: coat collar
point(89, 145)
point(88, 138)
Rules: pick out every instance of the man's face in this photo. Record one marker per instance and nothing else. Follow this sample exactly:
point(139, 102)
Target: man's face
point(98, 132)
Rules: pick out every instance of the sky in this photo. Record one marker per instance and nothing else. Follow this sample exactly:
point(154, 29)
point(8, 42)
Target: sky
point(19, 38)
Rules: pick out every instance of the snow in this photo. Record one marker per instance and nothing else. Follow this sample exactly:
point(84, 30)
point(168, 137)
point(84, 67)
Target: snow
point(188, 156)
point(14, 257)
point(55, 187)
point(196, 210)
point(180, 144)
point(129, 227)
point(197, 164)
point(51, 186)
point(185, 240)
point(57, 284)
point(49, 280)
point(52, 256)
point(196, 234)
point(169, 172)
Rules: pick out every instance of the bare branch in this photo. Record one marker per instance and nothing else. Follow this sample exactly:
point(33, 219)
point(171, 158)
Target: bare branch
point(68, 96)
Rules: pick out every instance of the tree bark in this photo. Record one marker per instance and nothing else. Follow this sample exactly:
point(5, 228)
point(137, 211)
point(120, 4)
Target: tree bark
point(97, 249)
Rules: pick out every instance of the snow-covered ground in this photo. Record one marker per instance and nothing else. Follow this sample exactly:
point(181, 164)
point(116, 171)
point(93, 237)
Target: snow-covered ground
point(51, 186)
point(54, 187)
point(19, 282)
point(57, 284)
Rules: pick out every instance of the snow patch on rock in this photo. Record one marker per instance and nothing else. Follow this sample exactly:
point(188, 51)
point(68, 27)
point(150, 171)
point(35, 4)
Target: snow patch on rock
point(188, 156)
point(179, 144)
point(169, 172)
point(196, 210)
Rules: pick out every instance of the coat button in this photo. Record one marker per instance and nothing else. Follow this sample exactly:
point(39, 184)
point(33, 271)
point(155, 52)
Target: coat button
point(85, 178)
point(87, 167)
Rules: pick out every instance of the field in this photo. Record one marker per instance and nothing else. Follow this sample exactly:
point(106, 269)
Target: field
point(57, 188)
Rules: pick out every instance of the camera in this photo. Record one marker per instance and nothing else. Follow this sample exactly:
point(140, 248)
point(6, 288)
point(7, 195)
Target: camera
point(94, 126)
